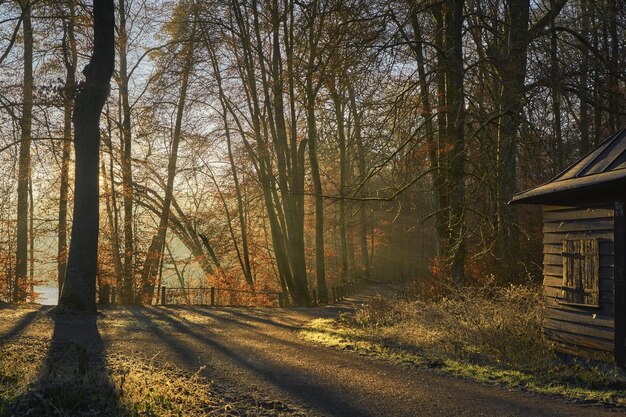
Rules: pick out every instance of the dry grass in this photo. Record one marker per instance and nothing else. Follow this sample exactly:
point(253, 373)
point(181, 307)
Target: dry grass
point(487, 324)
point(490, 334)
point(74, 384)
point(72, 381)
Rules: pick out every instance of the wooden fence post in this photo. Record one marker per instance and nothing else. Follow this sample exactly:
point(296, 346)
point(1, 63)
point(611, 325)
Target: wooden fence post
point(212, 296)
point(333, 293)
point(163, 295)
point(315, 297)
point(113, 295)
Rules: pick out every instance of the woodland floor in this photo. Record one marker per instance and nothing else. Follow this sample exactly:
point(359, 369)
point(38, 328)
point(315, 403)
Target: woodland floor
point(251, 362)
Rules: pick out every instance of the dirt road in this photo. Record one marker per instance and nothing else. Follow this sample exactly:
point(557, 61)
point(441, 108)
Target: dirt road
point(258, 353)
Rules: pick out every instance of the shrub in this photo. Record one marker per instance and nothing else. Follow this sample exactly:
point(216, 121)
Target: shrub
point(486, 324)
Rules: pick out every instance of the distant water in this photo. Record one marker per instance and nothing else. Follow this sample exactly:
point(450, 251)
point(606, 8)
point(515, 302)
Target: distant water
point(48, 295)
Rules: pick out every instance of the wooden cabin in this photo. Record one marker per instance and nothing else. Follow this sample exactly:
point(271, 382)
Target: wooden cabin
point(584, 252)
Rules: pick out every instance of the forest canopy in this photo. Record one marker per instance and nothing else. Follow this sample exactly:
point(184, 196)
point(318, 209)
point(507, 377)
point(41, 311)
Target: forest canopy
point(282, 145)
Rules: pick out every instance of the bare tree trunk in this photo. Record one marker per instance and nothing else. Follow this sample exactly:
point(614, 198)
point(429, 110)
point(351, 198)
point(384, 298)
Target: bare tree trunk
point(556, 102)
point(584, 80)
point(70, 56)
point(511, 61)
point(438, 175)
point(127, 176)
point(79, 289)
point(311, 94)
point(110, 205)
point(441, 145)
point(31, 237)
point(245, 256)
point(341, 138)
point(455, 98)
point(598, 84)
point(21, 264)
point(283, 196)
point(155, 251)
point(615, 95)
point(360, 156)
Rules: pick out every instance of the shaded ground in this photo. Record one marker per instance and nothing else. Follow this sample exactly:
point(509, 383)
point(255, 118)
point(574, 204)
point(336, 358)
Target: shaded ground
point(255, 356)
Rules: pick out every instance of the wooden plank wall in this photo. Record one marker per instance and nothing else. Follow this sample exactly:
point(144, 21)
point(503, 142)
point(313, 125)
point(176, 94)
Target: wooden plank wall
point(579, 330)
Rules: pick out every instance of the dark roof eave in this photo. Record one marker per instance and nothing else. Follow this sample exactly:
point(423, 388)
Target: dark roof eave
point(553, 191)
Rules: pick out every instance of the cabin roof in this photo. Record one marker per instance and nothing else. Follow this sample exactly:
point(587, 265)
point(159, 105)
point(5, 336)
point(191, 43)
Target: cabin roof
point(599, 172)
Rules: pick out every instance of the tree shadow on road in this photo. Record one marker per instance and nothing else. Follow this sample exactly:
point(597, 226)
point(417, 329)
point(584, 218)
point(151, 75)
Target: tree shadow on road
point(303, 387)
point(25, 321)
point(73, 379)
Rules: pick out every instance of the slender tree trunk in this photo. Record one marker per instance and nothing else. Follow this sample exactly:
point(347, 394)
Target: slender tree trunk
point(584, 80)
point(155, 251)
point(442, 141)
point(127, 141)
point(341, 138)
point(70, 56)
point(434, 154)
point(109, 206)
point(615, 94)
point(556, 101)
point(245, 261)
point(31, 237)
point(283, 196)
point(21, 264)
point(360, 156)
point(311, 94)
point(112, 206)
point(79, 289)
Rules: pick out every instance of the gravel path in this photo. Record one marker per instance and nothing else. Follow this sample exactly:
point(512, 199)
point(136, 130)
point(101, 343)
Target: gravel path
point(257, 353)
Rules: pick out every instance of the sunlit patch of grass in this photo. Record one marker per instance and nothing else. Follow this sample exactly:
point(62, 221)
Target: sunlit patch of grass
point(76, 382)
point(73, 386)
point(493, 338)
point(146, 389)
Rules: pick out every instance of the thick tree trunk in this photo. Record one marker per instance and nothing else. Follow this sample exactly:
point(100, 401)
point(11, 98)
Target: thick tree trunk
point(455, 98)
point(79, 289)
point(512, 69)
point(21, 264)
point(511, 62)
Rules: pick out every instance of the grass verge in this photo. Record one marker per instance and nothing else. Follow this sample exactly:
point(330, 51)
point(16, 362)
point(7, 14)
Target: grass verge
point(491, 335)
point(73, 381)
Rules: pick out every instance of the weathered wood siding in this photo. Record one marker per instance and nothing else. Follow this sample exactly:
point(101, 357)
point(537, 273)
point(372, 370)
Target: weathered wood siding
point(580, 330)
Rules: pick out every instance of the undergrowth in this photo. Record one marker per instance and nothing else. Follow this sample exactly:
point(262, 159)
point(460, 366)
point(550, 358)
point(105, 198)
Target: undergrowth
point(490, 334)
